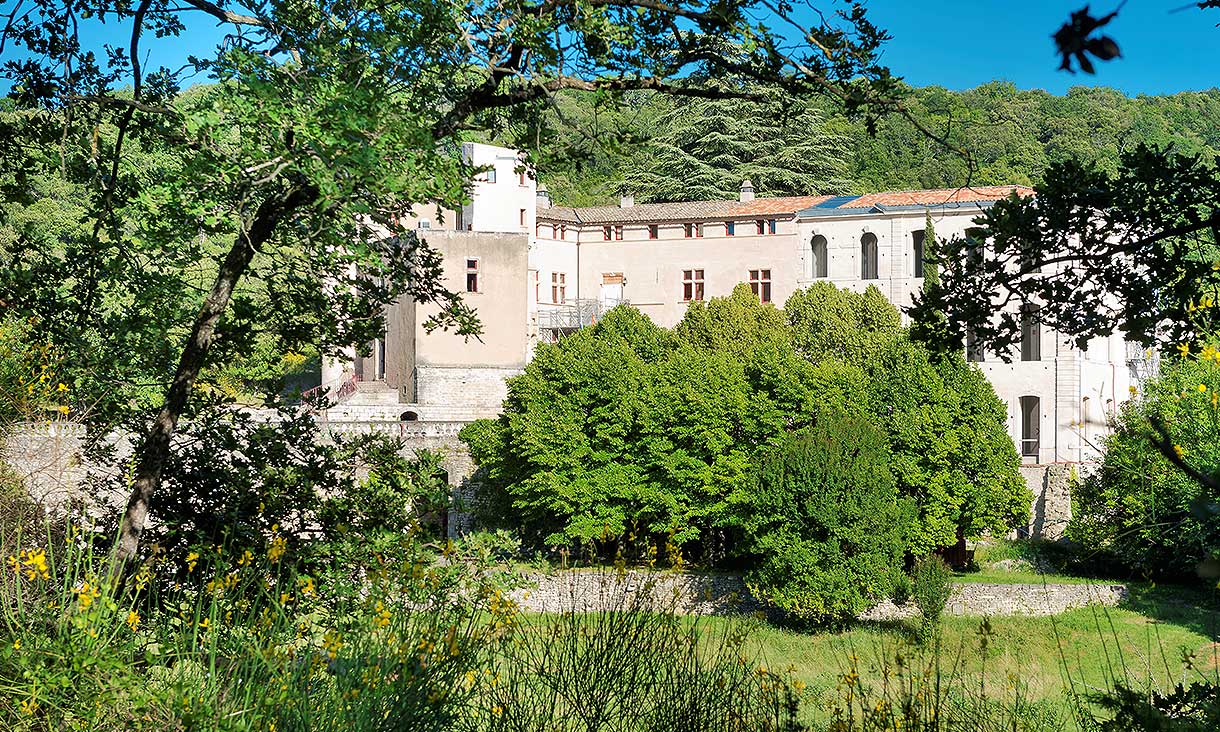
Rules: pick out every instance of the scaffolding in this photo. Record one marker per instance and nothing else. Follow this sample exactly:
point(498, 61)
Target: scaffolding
point(556, 321)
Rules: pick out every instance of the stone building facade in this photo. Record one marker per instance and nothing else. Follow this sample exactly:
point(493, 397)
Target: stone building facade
point(534, 271)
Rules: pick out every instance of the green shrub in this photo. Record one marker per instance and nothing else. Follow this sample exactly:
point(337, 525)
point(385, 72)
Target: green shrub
point(1139, 509)
point(932, 586)
point(824, 523)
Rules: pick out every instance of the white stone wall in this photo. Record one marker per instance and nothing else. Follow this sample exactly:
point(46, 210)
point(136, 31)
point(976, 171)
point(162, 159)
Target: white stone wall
point(463, 388)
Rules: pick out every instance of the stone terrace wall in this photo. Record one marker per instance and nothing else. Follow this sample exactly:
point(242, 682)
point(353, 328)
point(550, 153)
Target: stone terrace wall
point(708, 594)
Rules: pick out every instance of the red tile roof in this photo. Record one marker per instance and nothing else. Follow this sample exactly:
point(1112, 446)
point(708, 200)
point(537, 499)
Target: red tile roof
point(937, 196)
point(782, 206)
point(776, 206)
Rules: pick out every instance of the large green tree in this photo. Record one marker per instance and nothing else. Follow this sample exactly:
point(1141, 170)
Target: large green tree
point(328, 120)
point(702, 149)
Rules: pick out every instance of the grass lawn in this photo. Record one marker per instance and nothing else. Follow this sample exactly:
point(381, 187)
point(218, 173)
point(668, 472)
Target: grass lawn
point(1143, 642)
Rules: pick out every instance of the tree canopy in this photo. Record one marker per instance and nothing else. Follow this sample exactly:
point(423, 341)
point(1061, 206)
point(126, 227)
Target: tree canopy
point(272, 201)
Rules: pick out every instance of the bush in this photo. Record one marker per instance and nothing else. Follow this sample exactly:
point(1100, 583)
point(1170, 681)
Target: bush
point(824, 522)
point(932, 586)
point(1145, 513)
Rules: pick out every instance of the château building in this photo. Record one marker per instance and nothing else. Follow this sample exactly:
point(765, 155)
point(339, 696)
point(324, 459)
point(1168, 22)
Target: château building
point(534, 271)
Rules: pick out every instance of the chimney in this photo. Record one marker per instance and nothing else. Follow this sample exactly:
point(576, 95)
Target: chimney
point(626, 200)
point(747, 191)
point(543, 197)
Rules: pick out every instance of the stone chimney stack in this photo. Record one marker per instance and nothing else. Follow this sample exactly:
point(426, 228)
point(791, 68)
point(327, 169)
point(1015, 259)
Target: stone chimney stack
point(543, 197)
point(626, 200)
point(747, 191)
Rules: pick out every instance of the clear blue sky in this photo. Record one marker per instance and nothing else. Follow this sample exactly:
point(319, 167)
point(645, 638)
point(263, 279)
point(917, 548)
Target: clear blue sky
point(957, 44)
point(960, 44)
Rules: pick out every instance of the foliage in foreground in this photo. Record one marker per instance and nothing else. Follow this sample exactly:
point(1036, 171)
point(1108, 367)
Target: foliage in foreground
point(1139, 509)
point(216, 640)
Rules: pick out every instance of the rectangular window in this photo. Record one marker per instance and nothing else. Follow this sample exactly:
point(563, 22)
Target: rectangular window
point(523, 218)
point(653, 231)
point(491, 176)
point(974, 350)
point(563, 231)
point(698, 229)
point(917, 253)
point(771, 223)
point(760, 284)
point(606, 232)
point(975, 243)
point(618, 233)
point(537, 286)
point(521, 178)
point(689, 229)
point(759, 226)
point(553, 230)
point(1031, 419)
point(472, 275)
point(559, 288)
point(1031, 334)
point(730, 228)
point(692, 285)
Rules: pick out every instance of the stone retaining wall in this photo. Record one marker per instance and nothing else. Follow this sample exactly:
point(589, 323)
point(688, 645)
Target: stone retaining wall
point(708, 594)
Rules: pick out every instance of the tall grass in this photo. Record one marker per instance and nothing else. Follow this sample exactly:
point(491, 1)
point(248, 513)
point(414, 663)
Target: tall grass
point(424, 638)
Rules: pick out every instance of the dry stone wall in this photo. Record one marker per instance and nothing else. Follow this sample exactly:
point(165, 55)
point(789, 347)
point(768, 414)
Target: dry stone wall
point(710, 594)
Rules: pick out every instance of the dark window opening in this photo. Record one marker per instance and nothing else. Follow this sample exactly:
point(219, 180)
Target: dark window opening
point(820, 264)
point(1031, 419)
point(760, 284)
point(1031, 333)
point(409, 417)
point(868, 256)
point(917, 242)
point(653, 231)
point(730, 228)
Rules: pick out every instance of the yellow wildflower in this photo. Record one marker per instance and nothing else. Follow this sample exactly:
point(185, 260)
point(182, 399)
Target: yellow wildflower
point(1184, 349)
point(17, 645)
point(246, 557)
point(62, 387)
point(63, 409)
point(1132, 390)
point(34, 563)
point(1177, 450)
point(332, 643)
point(1202, 388)
point(29, 706)
point(279, 546)
point(193, 558)
point(307, 587)
point(382, 618)
point(86, 594)
point(133, 620)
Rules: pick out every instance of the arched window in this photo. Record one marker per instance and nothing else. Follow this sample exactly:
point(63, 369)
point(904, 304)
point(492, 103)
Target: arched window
point(820, 264)
point(1031, 421)
point(409, 417)
point(868, 256)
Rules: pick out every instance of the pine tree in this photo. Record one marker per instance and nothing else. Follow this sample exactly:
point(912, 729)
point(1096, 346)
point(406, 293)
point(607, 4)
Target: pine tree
point(704, 148)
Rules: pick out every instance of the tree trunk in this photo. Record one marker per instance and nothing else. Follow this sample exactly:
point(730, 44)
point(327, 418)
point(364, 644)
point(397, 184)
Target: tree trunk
point(155, 451)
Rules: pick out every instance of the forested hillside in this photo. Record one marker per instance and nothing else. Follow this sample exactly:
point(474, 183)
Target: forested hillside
point(664, 149)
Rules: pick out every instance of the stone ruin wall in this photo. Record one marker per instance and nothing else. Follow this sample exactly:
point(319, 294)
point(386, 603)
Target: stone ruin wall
point(720, 594)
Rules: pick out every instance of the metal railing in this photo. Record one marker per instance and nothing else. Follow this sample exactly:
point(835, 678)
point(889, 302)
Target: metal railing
point(573, 315)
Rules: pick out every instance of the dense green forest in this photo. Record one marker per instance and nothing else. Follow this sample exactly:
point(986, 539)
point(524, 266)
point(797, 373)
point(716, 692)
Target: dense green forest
point(660, 148)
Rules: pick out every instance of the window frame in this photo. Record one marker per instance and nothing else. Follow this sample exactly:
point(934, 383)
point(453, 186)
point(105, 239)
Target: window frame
point(760, 284)
point(559, 288)
point(1031, 333)
point(870, 256)
point(606, 232)
point(1030, 408)
point(693, 285)
point(472, 270)
point(821, 262)
point(918, 252)
point(654, 231)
